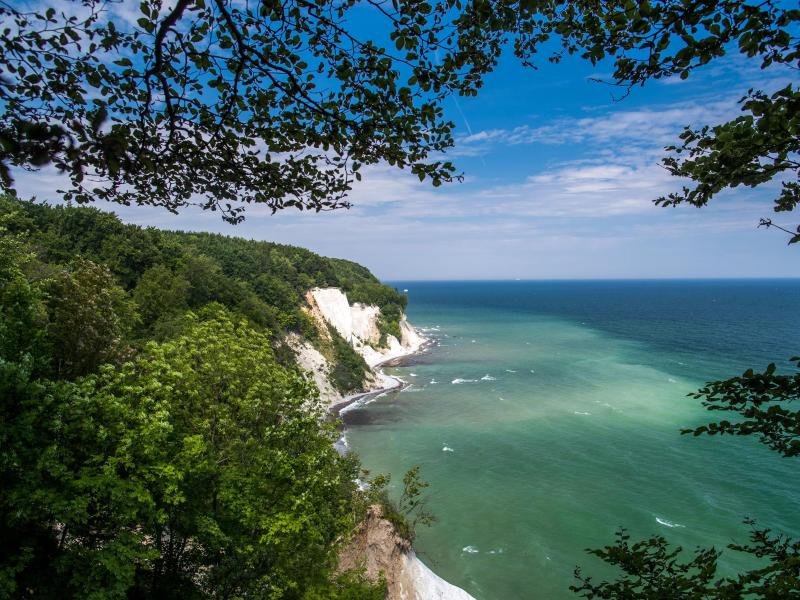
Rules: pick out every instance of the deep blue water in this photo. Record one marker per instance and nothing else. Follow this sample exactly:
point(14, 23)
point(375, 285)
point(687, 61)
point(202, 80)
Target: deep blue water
point(721, 324)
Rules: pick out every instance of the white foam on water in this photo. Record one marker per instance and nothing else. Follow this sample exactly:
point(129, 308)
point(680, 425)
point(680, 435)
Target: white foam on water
point(580, 412)
point(671, 380)
point(458, 380)
point(447, 449)
point(374, 398)
point(473, 341)
point(433, 381)
point(510, 371)
point(488, 378)
point(413, 374)
point(342, 446)
point(666, 523)
point(470, 549)
point(497, 551)
point(353, 406)
point(413, 390)
point(501, 398)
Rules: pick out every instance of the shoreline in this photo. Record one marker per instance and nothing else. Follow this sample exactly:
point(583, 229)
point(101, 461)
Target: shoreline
point(391, 383)
point(408, 576)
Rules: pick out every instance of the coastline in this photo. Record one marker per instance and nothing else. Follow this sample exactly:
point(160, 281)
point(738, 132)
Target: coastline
point(389, 382)
point(376, 545)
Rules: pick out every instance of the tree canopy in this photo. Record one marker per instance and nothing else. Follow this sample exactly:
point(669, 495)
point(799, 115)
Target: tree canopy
point(223, 103)
point(154, 443)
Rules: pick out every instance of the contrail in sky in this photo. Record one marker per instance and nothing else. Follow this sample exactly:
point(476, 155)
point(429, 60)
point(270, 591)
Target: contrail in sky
point(458, 106)
point(466, 123)
point(463, 116)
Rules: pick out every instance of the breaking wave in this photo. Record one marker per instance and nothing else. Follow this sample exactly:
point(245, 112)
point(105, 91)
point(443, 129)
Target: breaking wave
point(666, 523)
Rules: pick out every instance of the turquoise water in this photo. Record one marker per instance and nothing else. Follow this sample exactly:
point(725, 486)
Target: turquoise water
point(548, 414)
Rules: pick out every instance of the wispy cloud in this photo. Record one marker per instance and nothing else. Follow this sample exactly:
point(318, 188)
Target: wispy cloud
point(651, 127)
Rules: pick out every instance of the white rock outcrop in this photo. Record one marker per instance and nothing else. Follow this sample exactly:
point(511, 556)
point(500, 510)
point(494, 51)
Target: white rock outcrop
point(365, 323)
point(311, 360)
point(358, 325)
point(335, 308)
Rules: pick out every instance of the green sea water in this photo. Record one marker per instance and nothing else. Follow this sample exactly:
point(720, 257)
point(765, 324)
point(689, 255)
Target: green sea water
point(548, 414)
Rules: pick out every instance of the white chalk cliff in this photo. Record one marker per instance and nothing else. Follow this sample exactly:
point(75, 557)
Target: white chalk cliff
point(358, 325)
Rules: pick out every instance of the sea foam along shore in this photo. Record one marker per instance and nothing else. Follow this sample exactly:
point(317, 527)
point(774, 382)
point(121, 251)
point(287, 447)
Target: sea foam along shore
point(382, 383)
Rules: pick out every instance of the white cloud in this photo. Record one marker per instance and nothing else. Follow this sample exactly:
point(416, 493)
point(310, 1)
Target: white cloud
point(640, 127)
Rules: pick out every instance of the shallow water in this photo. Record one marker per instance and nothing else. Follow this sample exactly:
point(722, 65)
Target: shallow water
point(548, 414)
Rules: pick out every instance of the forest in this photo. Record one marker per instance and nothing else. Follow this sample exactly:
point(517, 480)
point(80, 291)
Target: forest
point(157, 438)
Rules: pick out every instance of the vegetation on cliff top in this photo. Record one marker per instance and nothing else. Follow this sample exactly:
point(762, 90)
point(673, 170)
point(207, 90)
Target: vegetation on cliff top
point(159, 275)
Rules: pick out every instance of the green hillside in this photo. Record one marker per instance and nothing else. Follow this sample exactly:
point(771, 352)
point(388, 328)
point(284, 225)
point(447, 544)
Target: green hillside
point(157, 440)
point(165, 273)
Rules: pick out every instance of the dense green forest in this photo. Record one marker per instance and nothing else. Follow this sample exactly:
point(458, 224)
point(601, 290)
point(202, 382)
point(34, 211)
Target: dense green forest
point(157, 440)
point(156, 276)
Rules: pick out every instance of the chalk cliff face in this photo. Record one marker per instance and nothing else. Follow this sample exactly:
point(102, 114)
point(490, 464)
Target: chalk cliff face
point(315, 364)
point(377, 547)
point(358, 325)
point(332, 304)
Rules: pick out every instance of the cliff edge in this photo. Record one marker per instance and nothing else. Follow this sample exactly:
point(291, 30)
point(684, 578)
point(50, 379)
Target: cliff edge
point(358, 325)
point(377, 548)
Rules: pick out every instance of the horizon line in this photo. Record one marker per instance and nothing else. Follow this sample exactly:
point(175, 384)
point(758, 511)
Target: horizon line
point(595, 279)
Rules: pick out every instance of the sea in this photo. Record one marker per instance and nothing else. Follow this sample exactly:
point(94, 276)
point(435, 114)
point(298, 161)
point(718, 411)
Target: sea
point(546, 415)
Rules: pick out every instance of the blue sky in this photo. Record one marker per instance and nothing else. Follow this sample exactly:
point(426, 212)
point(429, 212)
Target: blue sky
point(559, 182)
